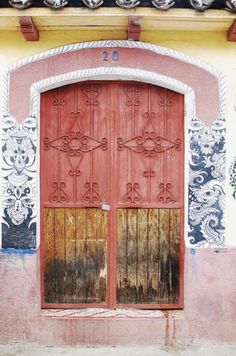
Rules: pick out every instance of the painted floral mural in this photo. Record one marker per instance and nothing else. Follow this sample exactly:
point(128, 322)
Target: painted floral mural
point(206, 188)
point(19, 191)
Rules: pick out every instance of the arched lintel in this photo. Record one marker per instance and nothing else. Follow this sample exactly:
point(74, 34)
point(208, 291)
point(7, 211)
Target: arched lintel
point(112, 73)
point(89, 55)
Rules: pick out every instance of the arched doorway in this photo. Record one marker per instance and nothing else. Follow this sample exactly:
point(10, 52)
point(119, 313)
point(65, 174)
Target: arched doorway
point(112, 168)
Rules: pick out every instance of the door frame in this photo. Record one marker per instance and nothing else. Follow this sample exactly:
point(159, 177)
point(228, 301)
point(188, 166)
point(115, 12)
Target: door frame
point(111, 243)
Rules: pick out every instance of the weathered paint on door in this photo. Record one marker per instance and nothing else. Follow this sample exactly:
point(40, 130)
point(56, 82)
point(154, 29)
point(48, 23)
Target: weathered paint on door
point(112, 195)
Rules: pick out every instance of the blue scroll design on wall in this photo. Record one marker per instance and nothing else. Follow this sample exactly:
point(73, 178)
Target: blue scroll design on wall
point(206, 183)
point(19, 183)
point(232, 173)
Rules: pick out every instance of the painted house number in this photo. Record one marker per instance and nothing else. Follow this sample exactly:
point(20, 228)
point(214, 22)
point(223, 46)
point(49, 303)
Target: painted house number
point(110, 56)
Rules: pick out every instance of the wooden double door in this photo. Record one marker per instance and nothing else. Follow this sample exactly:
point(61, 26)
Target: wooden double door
point(112, 196)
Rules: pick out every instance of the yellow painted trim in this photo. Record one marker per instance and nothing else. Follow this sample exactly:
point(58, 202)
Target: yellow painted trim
point(70, 19)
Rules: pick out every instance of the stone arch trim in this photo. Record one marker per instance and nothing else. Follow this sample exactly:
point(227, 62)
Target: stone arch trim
point(204, 144)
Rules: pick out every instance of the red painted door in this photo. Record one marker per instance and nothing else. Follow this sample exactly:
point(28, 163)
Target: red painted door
point(112, 196)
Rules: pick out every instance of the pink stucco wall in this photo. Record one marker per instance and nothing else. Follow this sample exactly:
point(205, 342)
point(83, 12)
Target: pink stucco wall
point(209, 313)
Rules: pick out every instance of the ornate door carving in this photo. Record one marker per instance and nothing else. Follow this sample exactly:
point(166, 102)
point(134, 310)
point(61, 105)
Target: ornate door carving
point(112, 195)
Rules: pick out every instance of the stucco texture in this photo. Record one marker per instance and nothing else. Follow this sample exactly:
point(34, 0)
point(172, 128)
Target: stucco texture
point(208, 317)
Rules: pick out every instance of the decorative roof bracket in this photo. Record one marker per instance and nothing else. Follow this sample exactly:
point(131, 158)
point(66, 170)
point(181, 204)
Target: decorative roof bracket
point(28, 28)
point(134, 28)
point(231, 34)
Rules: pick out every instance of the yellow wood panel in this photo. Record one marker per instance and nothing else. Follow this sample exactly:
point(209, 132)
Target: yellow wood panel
point(116, 18)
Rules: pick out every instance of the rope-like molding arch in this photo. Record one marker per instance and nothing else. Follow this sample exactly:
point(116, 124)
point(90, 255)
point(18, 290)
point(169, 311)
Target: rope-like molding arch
point(109, 73)
point(122, 44)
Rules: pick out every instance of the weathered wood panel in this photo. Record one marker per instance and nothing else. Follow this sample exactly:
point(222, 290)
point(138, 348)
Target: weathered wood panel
point(148, 256)
point(75, 255)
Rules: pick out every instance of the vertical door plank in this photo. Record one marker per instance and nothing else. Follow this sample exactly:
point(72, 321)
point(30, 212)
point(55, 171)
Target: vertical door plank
point(174, 254)
point(102, 270)
point(91, 262)
point(102, 243)
point(102, 224)
point(121, 259)
point(91, 216)
point(142, 256)
point(80, 224)
point(132, 256)
point(96, 272)
point(81, 246)
point(81, 279)
point(153, 255)
point(60, 257)
point(95, 258)
point(91, 272)
point(164, 256)
point(49, 263)
point(70, 233)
